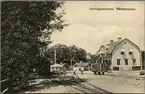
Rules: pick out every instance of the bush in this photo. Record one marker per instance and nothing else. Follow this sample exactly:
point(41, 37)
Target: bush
point(142, 72)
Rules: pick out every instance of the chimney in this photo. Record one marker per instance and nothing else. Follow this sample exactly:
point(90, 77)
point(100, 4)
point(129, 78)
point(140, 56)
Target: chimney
point(111, 41)
point(119, 38)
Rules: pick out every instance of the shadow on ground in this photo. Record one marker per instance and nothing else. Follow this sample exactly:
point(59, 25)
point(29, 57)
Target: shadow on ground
point(45, 81)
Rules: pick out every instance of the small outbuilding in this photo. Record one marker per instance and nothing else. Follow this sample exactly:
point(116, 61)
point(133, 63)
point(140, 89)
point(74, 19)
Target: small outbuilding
point(57, 68)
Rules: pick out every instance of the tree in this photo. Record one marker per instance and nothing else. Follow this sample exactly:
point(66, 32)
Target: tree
point(24, 27)
point(65, 54)
point(62, 52)
point(77, 54)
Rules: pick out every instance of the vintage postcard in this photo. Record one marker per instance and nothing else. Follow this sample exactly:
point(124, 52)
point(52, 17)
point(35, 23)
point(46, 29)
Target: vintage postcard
point(73, 46)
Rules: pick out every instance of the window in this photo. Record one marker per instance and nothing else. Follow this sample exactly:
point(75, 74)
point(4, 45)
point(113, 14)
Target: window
point(122, 52)
point(130, 53)
point(136, 68)
point(107, 54)
point(116, 68)
point(134, 61)
point(126, 61)
point(118, 61)
point(109, 62)
point(102, 55)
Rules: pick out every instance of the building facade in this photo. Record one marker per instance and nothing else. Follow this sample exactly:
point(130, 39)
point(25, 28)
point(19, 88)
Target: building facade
point(120, 55)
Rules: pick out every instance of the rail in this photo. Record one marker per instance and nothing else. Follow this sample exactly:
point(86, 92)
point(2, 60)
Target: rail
point(5, 89)
point(82, 87)
point(94, 88)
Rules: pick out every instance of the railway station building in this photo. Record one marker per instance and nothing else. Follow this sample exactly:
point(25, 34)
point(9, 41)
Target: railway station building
point(120, 55)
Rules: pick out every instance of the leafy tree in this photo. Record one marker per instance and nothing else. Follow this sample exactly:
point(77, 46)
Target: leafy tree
point(77, 54)
point(64, 54)
point(25, 25)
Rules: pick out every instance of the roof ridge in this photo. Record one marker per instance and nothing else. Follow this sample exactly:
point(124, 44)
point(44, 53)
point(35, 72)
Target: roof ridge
point(115, 41)
point(110, 46)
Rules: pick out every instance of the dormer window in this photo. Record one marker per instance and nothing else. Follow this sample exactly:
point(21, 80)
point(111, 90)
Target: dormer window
point(130, 51)
point(122, 51)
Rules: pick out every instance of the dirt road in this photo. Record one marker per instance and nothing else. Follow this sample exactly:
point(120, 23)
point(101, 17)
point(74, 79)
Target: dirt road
point(94, 83)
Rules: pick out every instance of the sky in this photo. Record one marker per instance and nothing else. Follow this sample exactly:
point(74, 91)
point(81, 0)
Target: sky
point(89, 29)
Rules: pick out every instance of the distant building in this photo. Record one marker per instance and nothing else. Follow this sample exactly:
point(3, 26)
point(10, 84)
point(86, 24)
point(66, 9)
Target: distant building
point(122, 54)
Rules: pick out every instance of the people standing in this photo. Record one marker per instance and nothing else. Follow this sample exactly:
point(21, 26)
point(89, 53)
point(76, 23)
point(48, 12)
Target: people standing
point(74, 70)
point(82, 70)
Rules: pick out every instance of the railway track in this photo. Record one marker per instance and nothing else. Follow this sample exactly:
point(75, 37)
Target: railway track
point(84, 87)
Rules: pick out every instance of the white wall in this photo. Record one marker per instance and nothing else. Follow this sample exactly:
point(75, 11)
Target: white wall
point(117, 55)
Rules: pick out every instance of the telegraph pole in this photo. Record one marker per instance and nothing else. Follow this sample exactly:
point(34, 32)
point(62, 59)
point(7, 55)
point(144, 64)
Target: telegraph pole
point(54, 56)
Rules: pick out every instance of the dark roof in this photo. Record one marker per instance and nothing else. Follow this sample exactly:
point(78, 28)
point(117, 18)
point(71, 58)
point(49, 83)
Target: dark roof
point(97, 53)
point(112, 46)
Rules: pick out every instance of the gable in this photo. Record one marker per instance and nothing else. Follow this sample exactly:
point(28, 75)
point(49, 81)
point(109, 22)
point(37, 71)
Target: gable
point(109, 48)
point(101, 50)
point(128, 41)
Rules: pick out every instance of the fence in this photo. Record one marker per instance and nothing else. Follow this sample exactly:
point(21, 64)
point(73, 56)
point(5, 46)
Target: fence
point(116, 68)
point(4, 85)
point(136, 68)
